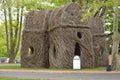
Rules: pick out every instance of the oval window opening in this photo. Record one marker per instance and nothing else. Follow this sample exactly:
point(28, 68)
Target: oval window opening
point(79, 35)
point(30, 51)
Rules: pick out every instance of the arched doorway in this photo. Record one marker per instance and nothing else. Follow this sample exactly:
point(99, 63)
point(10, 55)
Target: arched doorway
point(77, 50)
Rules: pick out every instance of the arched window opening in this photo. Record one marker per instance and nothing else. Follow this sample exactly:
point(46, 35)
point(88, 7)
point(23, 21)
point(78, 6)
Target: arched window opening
point(30, 51)
point(77, 50)
point(79, 35)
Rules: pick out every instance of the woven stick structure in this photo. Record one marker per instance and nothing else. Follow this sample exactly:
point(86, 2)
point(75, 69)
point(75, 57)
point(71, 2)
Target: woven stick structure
point(53, 38)
point(99, 41)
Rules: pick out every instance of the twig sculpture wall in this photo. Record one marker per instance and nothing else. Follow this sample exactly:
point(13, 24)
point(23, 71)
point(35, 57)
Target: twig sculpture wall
point(53, 38)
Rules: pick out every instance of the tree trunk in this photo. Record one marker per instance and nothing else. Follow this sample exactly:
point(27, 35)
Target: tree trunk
point(6, 29)
point(17, 24)
point(12, 42)
point(115, 55)
point(13, 34)
point(81, 2)
point(20, 30)
point(15, 44)
point(115, 41)
point(12, 57)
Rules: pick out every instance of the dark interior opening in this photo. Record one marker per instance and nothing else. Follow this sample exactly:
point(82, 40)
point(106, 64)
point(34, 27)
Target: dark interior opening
point(30, 50)
point(79, 35)
point(77, 50)
point(54, 52)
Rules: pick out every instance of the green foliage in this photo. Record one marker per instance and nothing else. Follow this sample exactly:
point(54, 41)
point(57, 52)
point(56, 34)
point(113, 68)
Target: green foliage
point(109, 17)
point(110, 3)
point(59, 2)
point(18, 55)
point(109, 21)
point(10, 66)
point(94, 6)
point(3, 50)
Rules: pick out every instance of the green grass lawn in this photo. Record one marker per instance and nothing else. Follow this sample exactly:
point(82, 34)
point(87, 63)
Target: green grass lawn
point(18, 67)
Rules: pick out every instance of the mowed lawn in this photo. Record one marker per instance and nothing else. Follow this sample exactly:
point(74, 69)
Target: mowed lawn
point(18, 67)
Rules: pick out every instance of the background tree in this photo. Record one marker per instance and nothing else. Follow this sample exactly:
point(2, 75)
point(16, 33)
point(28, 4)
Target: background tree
point(115, 46)
point(97, 8)
point(13, 17)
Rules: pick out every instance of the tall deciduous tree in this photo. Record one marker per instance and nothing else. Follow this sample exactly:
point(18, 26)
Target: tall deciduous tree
point(115, 37)
point(6, 28)
point(13, 26)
